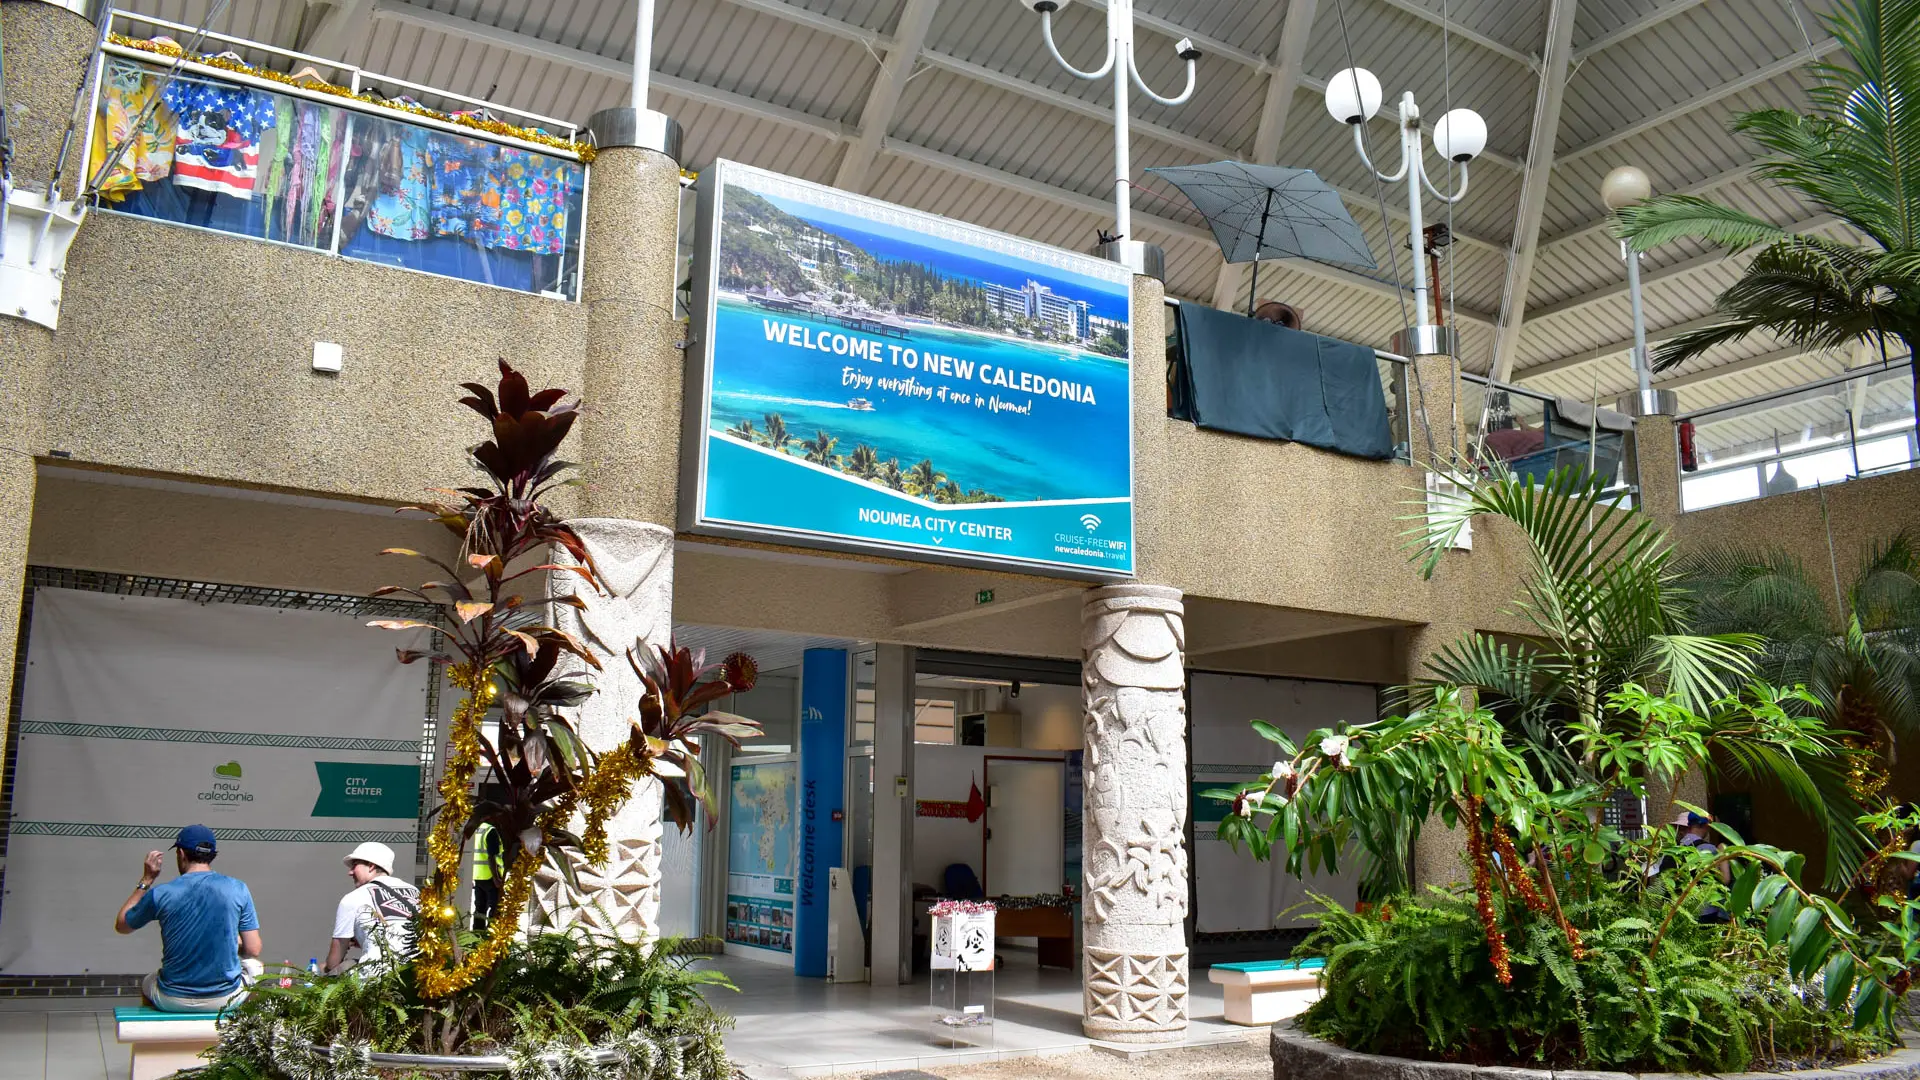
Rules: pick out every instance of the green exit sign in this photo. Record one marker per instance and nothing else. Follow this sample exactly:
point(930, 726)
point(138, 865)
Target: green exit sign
point(984, 596)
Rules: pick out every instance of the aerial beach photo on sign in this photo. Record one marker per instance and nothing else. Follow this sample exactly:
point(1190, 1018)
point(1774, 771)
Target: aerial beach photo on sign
point(898, 367)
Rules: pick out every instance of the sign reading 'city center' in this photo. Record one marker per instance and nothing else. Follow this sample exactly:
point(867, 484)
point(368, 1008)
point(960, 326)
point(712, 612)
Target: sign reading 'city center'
point(879, 378)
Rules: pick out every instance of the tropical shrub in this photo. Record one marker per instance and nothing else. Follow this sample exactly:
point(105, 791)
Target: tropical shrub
point(551, 1002)
point(1853, 643)
point(1564, 948)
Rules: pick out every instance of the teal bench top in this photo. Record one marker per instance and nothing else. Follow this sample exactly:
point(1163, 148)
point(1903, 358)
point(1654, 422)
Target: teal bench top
point(1252, 966)
point(126, 1013)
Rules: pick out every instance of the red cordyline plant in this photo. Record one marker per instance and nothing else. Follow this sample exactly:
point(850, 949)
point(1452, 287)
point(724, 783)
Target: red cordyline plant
point(680, 684)
point(506, 652)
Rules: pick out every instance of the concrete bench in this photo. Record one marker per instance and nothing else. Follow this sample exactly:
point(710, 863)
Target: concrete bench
point(1267, 991)
point(164, 1042)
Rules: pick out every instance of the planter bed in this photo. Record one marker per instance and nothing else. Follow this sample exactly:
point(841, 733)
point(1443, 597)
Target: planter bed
point(1299, 1056)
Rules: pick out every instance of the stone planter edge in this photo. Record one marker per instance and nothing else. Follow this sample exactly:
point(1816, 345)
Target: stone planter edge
point(1299, 1056)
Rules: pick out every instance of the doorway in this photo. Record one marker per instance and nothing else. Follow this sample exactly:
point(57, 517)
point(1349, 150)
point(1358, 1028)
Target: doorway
point(1025, 826)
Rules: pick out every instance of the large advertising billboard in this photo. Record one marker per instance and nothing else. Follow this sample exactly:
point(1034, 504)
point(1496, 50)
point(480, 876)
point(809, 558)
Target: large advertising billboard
point(876, 378)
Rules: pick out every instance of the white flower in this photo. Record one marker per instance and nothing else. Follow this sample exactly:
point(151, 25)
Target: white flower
point(1335, 747)
point(1245, 809)
point(1282, 770)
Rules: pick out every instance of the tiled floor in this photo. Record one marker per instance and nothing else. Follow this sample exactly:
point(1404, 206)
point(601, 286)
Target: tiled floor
point(786, 1026)
point(807, 1027)
point(55, 1039)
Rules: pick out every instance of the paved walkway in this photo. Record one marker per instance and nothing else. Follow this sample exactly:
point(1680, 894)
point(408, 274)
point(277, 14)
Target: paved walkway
point(1248, 1059)
point(787, 1027)
point(807, 1027)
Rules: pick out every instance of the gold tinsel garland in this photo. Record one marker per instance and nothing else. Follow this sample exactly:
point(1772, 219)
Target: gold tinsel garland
point(437, 970)
point(492, 127)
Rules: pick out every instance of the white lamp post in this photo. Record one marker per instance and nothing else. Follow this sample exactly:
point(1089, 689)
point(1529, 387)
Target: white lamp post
point(1353, 97)
point(1141, 258)
point(1623, 187)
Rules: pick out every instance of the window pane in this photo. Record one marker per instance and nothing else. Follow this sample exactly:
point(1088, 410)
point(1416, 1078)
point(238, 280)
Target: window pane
point(464, 208)
point(197, 151)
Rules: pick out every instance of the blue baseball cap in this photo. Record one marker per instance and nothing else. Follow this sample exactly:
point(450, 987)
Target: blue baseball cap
point(197, 839)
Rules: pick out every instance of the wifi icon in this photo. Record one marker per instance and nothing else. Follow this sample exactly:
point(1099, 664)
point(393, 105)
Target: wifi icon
point(1089, 522)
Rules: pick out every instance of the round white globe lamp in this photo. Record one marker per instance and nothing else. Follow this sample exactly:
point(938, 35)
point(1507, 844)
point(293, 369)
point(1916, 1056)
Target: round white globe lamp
point(1624, 187)
point(1460, 135)
point(1353, 95)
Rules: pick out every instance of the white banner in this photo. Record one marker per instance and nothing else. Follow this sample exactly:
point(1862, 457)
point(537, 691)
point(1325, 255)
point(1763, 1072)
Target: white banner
point(294, 735)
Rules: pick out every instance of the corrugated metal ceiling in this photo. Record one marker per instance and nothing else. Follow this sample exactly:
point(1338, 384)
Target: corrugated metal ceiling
point(1031, 165)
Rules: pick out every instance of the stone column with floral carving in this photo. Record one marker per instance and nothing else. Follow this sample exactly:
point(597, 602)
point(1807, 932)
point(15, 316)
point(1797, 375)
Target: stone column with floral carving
point(635, 560)
point(1135, 856)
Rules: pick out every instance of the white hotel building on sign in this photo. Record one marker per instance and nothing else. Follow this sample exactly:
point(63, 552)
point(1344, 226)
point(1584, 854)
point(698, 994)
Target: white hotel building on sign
point(1042, 304)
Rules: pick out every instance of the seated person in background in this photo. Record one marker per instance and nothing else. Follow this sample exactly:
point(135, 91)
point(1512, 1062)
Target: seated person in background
point(209, 932)
point(376, 913)
point(1279, 314)
point(1517, 441)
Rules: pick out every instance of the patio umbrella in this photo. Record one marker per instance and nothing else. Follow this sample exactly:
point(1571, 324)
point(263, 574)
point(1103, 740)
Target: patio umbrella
point(1261, 210)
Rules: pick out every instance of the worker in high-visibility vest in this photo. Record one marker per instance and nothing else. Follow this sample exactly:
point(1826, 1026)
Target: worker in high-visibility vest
point(487, 872)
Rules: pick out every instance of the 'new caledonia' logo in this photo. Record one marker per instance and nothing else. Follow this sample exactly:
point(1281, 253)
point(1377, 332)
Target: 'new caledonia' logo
point(226, 786)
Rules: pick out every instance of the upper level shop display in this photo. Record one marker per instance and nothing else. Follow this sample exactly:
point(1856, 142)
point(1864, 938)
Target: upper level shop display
point(197, 149)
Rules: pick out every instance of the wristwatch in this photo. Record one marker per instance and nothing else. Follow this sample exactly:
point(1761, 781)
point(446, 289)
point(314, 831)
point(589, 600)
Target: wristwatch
point(143, 886)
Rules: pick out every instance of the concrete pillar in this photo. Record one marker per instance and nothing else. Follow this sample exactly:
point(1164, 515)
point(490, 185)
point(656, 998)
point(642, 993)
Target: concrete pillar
point(629, 442)
point(47, 49)
point(1439, 854)
point(1434, 425)
point(636, 563)
point(891, 908)
point(1656, 455)
point(1133, 677)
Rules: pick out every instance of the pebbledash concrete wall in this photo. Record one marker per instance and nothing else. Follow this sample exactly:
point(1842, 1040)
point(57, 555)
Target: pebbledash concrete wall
point(186, 352)
point(1859, 512)
point(1288, 525)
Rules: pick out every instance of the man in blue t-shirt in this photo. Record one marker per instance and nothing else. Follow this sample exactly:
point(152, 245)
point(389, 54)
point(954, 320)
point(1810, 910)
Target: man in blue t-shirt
point(209, 933)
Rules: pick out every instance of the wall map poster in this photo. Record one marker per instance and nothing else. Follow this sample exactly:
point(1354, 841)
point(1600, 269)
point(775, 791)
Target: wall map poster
point(760, 864)
point(879, 378)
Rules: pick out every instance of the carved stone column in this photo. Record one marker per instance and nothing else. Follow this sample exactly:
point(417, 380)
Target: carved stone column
point(1134, 677)
point(636, 561)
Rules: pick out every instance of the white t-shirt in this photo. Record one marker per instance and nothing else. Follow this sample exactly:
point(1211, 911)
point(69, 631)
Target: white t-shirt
point(370, 923)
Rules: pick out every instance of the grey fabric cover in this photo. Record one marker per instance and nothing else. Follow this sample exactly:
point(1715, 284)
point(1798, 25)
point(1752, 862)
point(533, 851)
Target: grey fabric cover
point(1253, 378)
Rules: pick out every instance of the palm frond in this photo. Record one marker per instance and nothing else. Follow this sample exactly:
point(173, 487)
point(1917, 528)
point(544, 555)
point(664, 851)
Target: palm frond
point(1668, 218)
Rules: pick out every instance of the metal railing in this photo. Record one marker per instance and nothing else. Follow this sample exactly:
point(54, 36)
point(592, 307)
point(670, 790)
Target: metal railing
point(238, 146)
point(1534, 434)
point(1858, 423)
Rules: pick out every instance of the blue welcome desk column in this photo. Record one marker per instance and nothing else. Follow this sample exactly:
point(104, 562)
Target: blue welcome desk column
point(824, 703)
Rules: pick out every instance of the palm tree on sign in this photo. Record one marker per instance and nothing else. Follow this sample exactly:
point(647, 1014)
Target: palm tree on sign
point(891, 475)
point(819, 449)
point(949, 492)
point(923, 479)
point(864, 463)
point(1859, 657)
point(777, 436)
point(1855, 155)
point(744, 431)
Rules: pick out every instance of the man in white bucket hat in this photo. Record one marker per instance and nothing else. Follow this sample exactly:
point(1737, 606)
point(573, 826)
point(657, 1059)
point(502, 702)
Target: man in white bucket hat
point(375, 915)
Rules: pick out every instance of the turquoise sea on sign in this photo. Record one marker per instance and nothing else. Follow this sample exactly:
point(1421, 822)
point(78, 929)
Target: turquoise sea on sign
point(1043, 448)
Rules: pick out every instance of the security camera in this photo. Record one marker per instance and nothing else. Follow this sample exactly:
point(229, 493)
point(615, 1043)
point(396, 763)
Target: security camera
point(1186, 49)
point(1045, 6)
